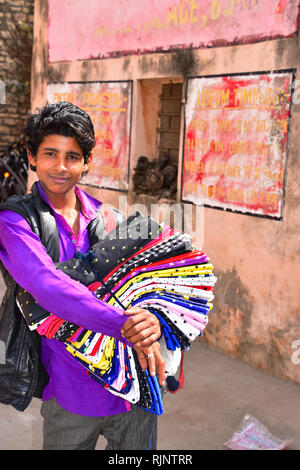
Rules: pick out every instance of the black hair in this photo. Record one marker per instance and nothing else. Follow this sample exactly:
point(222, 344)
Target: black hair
point(61, 118)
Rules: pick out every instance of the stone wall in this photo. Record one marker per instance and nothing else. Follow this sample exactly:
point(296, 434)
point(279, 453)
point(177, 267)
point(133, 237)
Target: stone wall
point(14, 110)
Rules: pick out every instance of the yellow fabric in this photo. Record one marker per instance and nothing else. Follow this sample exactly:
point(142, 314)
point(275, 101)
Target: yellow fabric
point(78, 344)
point(184, 271)
point(105, 362)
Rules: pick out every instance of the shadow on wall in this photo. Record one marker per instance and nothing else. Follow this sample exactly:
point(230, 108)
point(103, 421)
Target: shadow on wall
point(230, 322)
point(230, 330)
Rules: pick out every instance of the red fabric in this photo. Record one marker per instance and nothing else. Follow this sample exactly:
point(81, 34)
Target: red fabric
point(181, 379)
point(97, 345)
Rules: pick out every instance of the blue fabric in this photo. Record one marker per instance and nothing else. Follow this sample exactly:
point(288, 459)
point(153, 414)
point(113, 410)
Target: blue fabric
point(157, 405)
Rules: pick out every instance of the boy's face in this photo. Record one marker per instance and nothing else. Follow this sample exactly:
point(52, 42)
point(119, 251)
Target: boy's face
point(59, 164)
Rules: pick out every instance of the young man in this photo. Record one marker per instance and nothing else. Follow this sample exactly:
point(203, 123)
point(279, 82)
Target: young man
point(75, 408)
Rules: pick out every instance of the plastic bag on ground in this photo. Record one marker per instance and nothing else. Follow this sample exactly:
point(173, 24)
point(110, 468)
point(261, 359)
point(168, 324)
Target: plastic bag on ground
point(253, 435)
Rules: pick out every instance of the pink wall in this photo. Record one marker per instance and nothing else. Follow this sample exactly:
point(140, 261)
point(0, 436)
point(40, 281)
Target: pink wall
point(126, 26)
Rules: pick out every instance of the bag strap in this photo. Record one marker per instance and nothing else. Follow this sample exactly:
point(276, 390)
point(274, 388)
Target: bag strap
point(36, 212)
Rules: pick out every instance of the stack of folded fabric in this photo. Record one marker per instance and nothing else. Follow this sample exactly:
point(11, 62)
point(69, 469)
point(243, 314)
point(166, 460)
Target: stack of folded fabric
point(138, 264)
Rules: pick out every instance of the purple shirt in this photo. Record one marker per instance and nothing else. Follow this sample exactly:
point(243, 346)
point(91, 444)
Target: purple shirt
point(26, 259)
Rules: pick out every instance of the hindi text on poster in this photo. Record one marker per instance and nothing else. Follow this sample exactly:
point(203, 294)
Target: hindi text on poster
point(109, 106)
point(119, 27)
point(236, 142)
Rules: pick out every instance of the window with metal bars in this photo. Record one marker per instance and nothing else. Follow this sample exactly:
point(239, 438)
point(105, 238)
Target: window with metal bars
point(170, 113)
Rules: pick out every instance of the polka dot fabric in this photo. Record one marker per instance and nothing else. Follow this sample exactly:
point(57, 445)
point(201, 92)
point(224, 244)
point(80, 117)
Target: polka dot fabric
point(138, 264)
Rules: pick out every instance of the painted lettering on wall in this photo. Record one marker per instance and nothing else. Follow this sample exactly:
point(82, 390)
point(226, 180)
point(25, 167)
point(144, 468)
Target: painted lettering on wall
point(109, 106)
point(119, 27)
point(236, 142)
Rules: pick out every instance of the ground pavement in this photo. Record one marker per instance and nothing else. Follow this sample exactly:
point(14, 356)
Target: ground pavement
point(218, 392)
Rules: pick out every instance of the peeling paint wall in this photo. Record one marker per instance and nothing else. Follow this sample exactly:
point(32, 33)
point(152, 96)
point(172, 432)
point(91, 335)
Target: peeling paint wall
point(256, 315)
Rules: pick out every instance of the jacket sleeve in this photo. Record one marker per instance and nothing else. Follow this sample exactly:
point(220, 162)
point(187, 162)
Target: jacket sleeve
point(26, 259)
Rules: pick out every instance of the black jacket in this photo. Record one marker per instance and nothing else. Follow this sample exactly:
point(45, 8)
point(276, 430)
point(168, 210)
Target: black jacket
point(22, 375)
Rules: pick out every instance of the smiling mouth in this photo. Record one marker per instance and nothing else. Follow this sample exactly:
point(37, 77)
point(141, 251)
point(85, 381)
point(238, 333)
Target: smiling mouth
point(57, 179)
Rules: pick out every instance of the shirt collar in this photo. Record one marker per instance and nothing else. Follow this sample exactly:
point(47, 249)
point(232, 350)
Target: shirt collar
point(89, 204)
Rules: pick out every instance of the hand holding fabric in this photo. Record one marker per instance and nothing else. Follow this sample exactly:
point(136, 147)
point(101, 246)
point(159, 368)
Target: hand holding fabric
point(142, 329)
point(152, 359)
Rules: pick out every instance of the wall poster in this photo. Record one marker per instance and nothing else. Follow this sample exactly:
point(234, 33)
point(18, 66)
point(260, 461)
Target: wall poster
point(109, 106)
point(236, 141)
point(113, 28)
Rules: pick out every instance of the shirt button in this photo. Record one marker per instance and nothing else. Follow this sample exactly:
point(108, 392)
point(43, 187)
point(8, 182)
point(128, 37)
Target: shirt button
point(74, 241)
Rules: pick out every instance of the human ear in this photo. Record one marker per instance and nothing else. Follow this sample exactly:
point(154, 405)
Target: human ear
point(90, 159)
point(86, 165)
point(32, 160)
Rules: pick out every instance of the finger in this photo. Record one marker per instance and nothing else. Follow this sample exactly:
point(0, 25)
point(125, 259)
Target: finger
point(130, 325)
point(132, 311)
point(133, 321)
point(159, 363)
point(137, 315)
point(141, 321)
point(161, 372)
point(147, 341)
point(142, 359)
point(142, 334)
point(151, 364)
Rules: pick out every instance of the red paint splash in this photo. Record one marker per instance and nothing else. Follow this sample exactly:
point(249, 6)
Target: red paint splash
point(282, 4)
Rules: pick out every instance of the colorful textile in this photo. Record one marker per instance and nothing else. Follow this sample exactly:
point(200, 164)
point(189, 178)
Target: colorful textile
point(145, 265)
